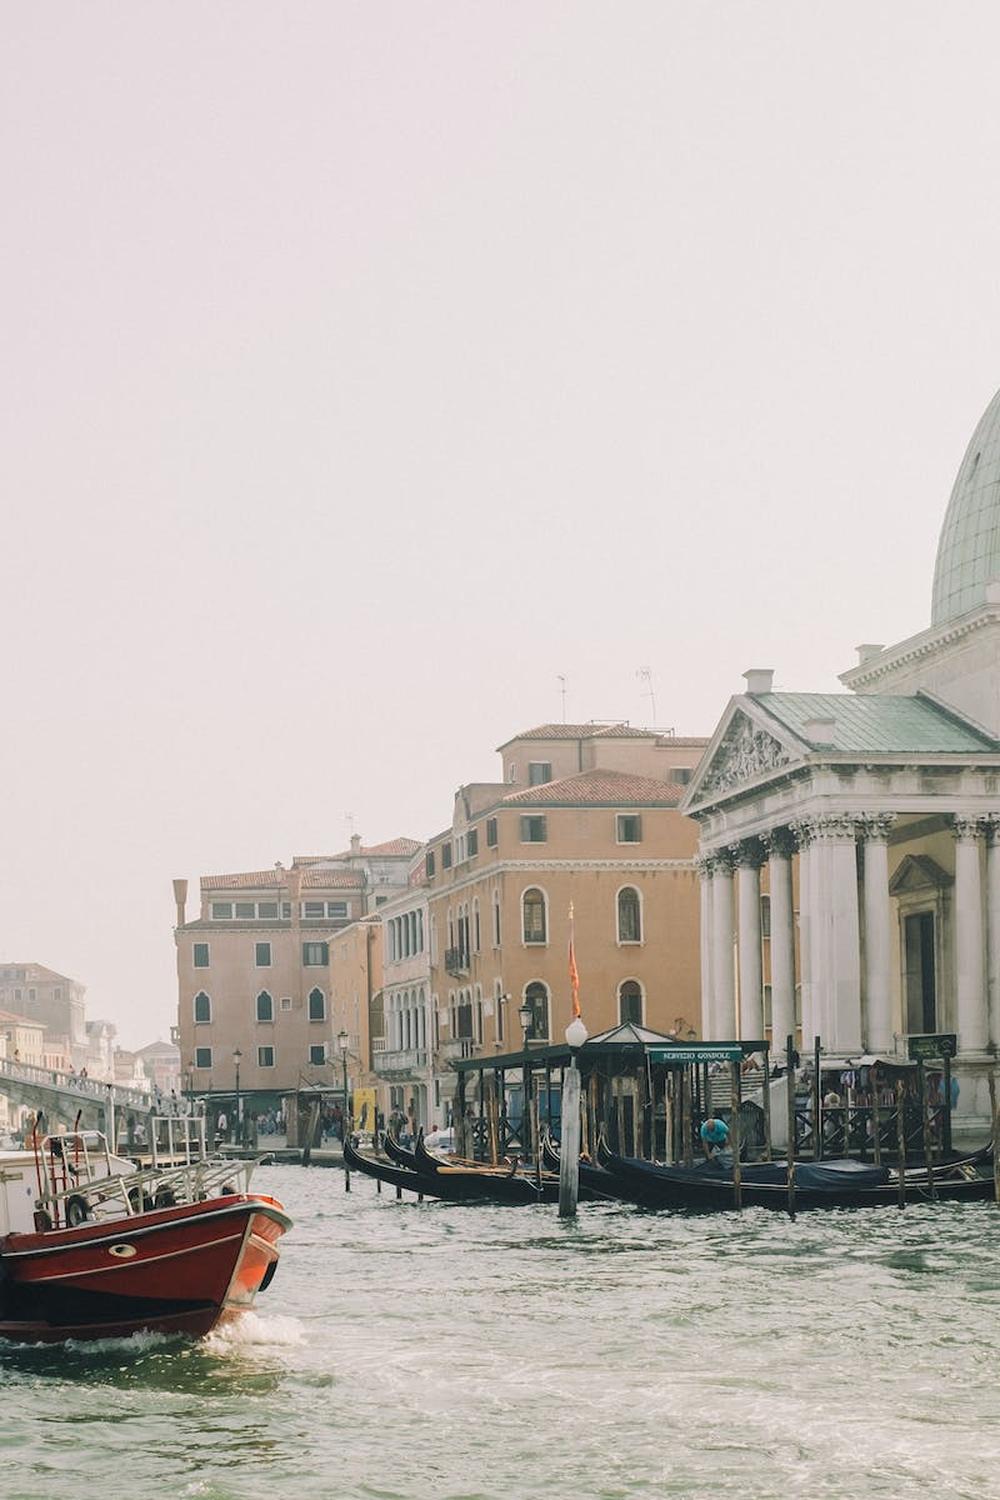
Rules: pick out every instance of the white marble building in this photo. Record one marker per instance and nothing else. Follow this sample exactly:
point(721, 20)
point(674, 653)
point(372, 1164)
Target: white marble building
point(877, 815)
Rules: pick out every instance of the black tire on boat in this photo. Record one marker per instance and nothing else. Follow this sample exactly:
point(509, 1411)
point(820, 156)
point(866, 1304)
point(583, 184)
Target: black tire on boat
point(77, 1211)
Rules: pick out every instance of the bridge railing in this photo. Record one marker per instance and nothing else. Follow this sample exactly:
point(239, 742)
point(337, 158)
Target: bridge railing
point(72, 1083)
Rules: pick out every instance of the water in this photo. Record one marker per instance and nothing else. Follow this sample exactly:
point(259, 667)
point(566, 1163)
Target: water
point(448, 1352)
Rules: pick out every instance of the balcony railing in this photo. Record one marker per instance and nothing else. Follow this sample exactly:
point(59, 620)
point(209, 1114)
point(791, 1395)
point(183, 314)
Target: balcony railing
point(405, 1060)
point(456, 961)
point(458, 1046)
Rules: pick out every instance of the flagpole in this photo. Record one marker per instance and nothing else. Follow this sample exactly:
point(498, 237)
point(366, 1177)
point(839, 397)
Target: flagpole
point(569, 1134)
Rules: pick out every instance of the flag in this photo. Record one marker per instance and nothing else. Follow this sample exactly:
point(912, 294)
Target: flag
point(574, 978)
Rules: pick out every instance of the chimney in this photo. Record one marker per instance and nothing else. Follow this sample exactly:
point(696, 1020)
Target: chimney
point(293, 884)
point(759, 680)
point(867, 651)
point(820, 730)
point(355, 843)
point(180, 898)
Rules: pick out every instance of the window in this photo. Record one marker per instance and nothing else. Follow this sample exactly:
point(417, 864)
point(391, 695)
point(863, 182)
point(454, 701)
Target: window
point(245, 910)
point(265, 1057)
point(681, 774)
point(267, 910)
point(200, 954)
point(265, 1007)
point(630, 1002)
point(512, 772)
point(339, 908)
point(315, 955)
point(317, 1054)
point(221, 911)
point(446, 856)
point(58, 989)
point(496, 919)
point(472, 842)
point(629, 828)
point(629, 915)
point(476, 940)
point(202, 1009)
point(539, 772)
point(314, 909)
point(286, 1002)
point(765, 916)
point(317, 1005)
point(262, 955)
point(537, 996)
point(533, 830)
point(203, 1057)
point(533, 913)
point(429, 864)
point(379, 900)
point(499, 1006)
point(491, 832)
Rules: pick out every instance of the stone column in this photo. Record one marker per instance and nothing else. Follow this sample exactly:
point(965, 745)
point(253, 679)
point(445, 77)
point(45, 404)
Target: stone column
point(779, 845)
point(748, 857)
point(723, 932)
point(802, 832)
point(703, 864)
point(993, 927)
point(878, 933)
point(834, 1012)
point(970, 969)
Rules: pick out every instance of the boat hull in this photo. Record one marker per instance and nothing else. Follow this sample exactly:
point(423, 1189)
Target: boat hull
point(174, 1270)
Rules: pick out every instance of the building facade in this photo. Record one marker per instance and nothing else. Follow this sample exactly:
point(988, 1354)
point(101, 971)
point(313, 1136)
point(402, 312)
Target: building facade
point(884, 803)
point(253, 969)
point(406, 1054)
point(54, 1000)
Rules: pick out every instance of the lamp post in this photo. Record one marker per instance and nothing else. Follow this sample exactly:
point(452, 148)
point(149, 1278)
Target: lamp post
point(343, 1042)
point(569, 1131)
point(237, 1059)
point(526, 1016)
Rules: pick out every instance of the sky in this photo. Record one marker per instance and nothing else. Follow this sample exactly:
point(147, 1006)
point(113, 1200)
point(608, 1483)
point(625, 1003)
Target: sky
point(368, 366)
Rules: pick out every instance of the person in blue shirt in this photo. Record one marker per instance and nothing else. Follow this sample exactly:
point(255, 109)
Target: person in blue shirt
point(714, 1136)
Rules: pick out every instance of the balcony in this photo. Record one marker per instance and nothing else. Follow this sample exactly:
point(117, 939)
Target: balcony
point(456, 961)
point(399, 1063)
point(457, 1047)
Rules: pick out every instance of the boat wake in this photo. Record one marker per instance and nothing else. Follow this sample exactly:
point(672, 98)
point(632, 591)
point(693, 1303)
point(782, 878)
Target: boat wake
point(250, 1330)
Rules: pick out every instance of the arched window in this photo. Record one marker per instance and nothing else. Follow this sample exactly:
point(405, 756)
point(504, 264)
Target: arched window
point(202, 1009)
point(629, 915)
point(535, 926)
point(630, 1002)
point(265, 1007)
point(476, 934)
point(537, 996)
point(317, 1005)
point(496, 919)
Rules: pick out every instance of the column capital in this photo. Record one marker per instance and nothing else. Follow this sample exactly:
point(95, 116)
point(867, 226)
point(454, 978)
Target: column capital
point(748, 854)
point(969, 825)
point(835, 827)
point(778, 843)
point(876, 827)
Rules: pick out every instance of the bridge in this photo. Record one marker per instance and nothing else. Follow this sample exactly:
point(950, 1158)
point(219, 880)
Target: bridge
point(63, 1096)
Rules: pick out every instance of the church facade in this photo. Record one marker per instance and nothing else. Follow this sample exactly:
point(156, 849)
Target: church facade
point(872, 818)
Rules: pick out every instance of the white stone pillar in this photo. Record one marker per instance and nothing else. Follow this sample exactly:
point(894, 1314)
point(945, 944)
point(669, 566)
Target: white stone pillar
point(993, 927)
point(970, 969)
point(834, 937)
point(878, 934)
point(748, 861)
point(802, 830)
point(779, 847)
point(723, 933)
point(704, 866)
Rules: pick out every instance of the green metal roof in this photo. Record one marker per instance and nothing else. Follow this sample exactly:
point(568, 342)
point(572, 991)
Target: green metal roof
point(968, 556)
point(878, 723)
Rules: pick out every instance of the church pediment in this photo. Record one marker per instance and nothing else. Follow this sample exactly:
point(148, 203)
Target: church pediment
point(918, 872)
point(745, 751)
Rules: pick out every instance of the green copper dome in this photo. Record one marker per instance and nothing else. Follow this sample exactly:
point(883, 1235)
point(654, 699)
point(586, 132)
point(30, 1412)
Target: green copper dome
point(968, 556)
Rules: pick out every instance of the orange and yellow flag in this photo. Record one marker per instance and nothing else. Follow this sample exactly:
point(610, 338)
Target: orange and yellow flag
point(574, 978)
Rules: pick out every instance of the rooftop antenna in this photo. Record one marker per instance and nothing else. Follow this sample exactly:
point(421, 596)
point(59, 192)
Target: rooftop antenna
point(562, 693)
point(349, 820)
point(645, 674)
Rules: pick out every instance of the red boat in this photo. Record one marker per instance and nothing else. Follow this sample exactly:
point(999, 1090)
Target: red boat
point(176, 1247)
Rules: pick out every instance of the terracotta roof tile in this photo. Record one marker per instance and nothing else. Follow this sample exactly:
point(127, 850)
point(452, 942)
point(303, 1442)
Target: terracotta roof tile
point(392, 847)
point(274, 880)
point(600, 789)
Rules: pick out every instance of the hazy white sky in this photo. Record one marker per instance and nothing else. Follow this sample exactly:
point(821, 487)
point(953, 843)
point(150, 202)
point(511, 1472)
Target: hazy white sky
point(367, 365)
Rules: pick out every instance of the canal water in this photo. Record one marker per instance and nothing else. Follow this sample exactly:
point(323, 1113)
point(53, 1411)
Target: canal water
point(442, 1352)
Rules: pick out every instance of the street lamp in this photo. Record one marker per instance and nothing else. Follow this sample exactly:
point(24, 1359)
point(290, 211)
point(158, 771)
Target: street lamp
point(526, 1016)
point(343, 1042)
point(237, 1059)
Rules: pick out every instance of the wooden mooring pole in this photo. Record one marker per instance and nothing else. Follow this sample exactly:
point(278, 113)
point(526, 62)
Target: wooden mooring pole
point(901, 1139)
point(790, 1066)
point(734, 1135)
point(569, 1142)
point(925, 1120)
point(995, 1117)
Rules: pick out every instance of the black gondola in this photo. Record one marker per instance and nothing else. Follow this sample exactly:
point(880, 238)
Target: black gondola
point(827, 1184)
point(401, 1155)
point(456, 1184)
point(594, 1181)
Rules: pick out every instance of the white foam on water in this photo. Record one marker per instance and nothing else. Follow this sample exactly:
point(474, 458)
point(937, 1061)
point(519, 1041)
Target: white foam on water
point(250, 1330)
point(135, 1343)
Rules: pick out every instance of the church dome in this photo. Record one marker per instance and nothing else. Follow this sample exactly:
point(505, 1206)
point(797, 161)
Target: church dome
point(968, 555)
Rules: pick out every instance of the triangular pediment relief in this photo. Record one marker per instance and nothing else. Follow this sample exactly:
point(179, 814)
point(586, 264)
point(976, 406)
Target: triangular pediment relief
point(745, 750)
point(918, 872)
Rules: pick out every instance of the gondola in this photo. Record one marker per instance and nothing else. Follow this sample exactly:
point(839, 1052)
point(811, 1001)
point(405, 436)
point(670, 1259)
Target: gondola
point(594, 1180)
point(823, 1184)
point(401, 1155)
point(453, 1184)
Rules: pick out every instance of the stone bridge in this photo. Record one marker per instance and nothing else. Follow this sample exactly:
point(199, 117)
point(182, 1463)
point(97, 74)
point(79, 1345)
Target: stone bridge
point(62, 1096)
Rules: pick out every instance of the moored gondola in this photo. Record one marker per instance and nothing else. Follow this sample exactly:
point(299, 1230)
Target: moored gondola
point(454, 1184)
point(403, 1156)
point(826, 1184)
point(595, 1182)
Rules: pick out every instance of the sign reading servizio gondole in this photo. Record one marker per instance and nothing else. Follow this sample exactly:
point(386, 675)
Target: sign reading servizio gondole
point(694, 1054)
point(931, 1046)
